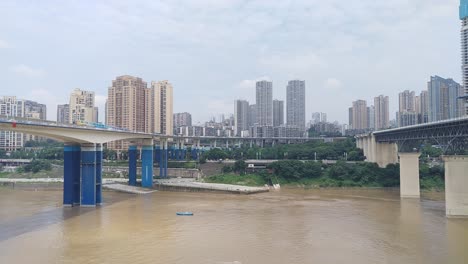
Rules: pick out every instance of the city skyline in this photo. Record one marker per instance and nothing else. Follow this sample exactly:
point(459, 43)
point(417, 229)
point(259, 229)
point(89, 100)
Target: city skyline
point(45, 77)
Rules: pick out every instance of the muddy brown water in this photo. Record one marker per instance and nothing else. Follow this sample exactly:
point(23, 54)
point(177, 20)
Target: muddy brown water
point(287, 226)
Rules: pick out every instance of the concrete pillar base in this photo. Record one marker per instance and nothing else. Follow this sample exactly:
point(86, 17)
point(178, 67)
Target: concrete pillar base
point(456, 186)
point(409, 175)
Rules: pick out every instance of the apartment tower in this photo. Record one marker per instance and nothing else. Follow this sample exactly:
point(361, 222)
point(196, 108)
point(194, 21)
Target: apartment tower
point(295, 103)
point(264, 103)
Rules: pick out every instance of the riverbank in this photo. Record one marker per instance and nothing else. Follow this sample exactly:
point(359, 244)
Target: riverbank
point(427, 183)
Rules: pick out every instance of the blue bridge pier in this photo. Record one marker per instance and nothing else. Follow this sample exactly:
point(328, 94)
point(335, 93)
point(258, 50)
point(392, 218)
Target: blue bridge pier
point(82, 182)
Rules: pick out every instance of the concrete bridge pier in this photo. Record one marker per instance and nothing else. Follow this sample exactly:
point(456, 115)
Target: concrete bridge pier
point(132, 165)
point(147, 164)
point(385, 153)
point(409, 175)
point(456, 186)
point(71, 174)
point(163, 159)
point(91, 168)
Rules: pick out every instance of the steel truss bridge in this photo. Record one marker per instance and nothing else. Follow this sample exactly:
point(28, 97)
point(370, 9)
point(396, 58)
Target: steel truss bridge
point(452, 134)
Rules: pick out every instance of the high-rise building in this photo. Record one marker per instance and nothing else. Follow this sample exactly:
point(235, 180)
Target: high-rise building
point(423, 109)
point(278, 113)
point(464, 49)
point(182, 120)
point(12, 107)
point(381, 112)
point(409, 107)
point(319, 117)
point(350, 117)
point(252, 115)
point(407, 118)
point(63, 116)
point(407, 101)
point(81, 107)
point(241, 117)
point(264, 103)
point(295, 103)
point(358, 115)
point(159, 110)
point(371, 117)
point(443, 99)
point(126, 106)
point(34, 110)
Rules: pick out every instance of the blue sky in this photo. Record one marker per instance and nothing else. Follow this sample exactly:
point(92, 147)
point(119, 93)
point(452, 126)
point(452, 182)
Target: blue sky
point(213, 50)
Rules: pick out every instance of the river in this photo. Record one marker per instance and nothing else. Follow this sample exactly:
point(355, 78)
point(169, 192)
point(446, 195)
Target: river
point(287, 226)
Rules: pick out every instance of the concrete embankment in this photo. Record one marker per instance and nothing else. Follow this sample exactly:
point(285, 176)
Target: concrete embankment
point(119, 184)
point(127, 188)
point(193, 186)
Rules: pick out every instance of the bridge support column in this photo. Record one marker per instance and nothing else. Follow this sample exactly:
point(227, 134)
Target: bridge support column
point(159, 158)
point(147, 165)
point(71, 175)
point(386, 153)
point(98, 174)
point(365, 149)
point(456, 186)
point(132, 165)
point(409, 175)
point(165, 159)
point(88, 175)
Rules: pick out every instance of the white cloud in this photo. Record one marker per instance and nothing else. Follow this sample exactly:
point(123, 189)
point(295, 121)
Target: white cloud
point(4, 44)
point(25, 70)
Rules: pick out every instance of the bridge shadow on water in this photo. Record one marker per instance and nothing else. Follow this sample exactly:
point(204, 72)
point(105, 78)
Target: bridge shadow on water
point(40, 220)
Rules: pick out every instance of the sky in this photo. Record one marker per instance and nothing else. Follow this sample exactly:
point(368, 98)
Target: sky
point(213, 51)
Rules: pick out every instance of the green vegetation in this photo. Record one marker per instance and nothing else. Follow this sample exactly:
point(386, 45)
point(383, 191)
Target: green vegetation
point(35, 166)
point(308, 151)
point(182, 164)
point(247, 179)
point(341, 174)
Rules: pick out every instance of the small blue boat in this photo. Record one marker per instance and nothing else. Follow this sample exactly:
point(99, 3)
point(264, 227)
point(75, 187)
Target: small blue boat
point(184, 213)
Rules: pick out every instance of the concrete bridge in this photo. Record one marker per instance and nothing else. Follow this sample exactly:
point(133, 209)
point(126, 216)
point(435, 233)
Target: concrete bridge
point(402, 145)
point(83, 153)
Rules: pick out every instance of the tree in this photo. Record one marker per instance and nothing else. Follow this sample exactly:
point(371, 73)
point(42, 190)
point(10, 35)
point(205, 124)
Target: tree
point(312, 169)
point(240, 166)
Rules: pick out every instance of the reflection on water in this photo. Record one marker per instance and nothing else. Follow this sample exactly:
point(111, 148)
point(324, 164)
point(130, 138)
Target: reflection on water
point(289, 226)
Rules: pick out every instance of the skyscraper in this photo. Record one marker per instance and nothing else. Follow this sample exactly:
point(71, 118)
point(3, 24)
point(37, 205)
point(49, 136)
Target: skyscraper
point(381, 112)
point(464, 48)
point(423, 110)
point(371, 117)
point(126, 106)
point(358, 115)
point(63, 114)
point(81, 107)
point(443, 99)
point(241, 117)
point(264, 103)
point(252, 115)
point(278, 113)
point(295, 103)
point(406, 101)
point(159, 108)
